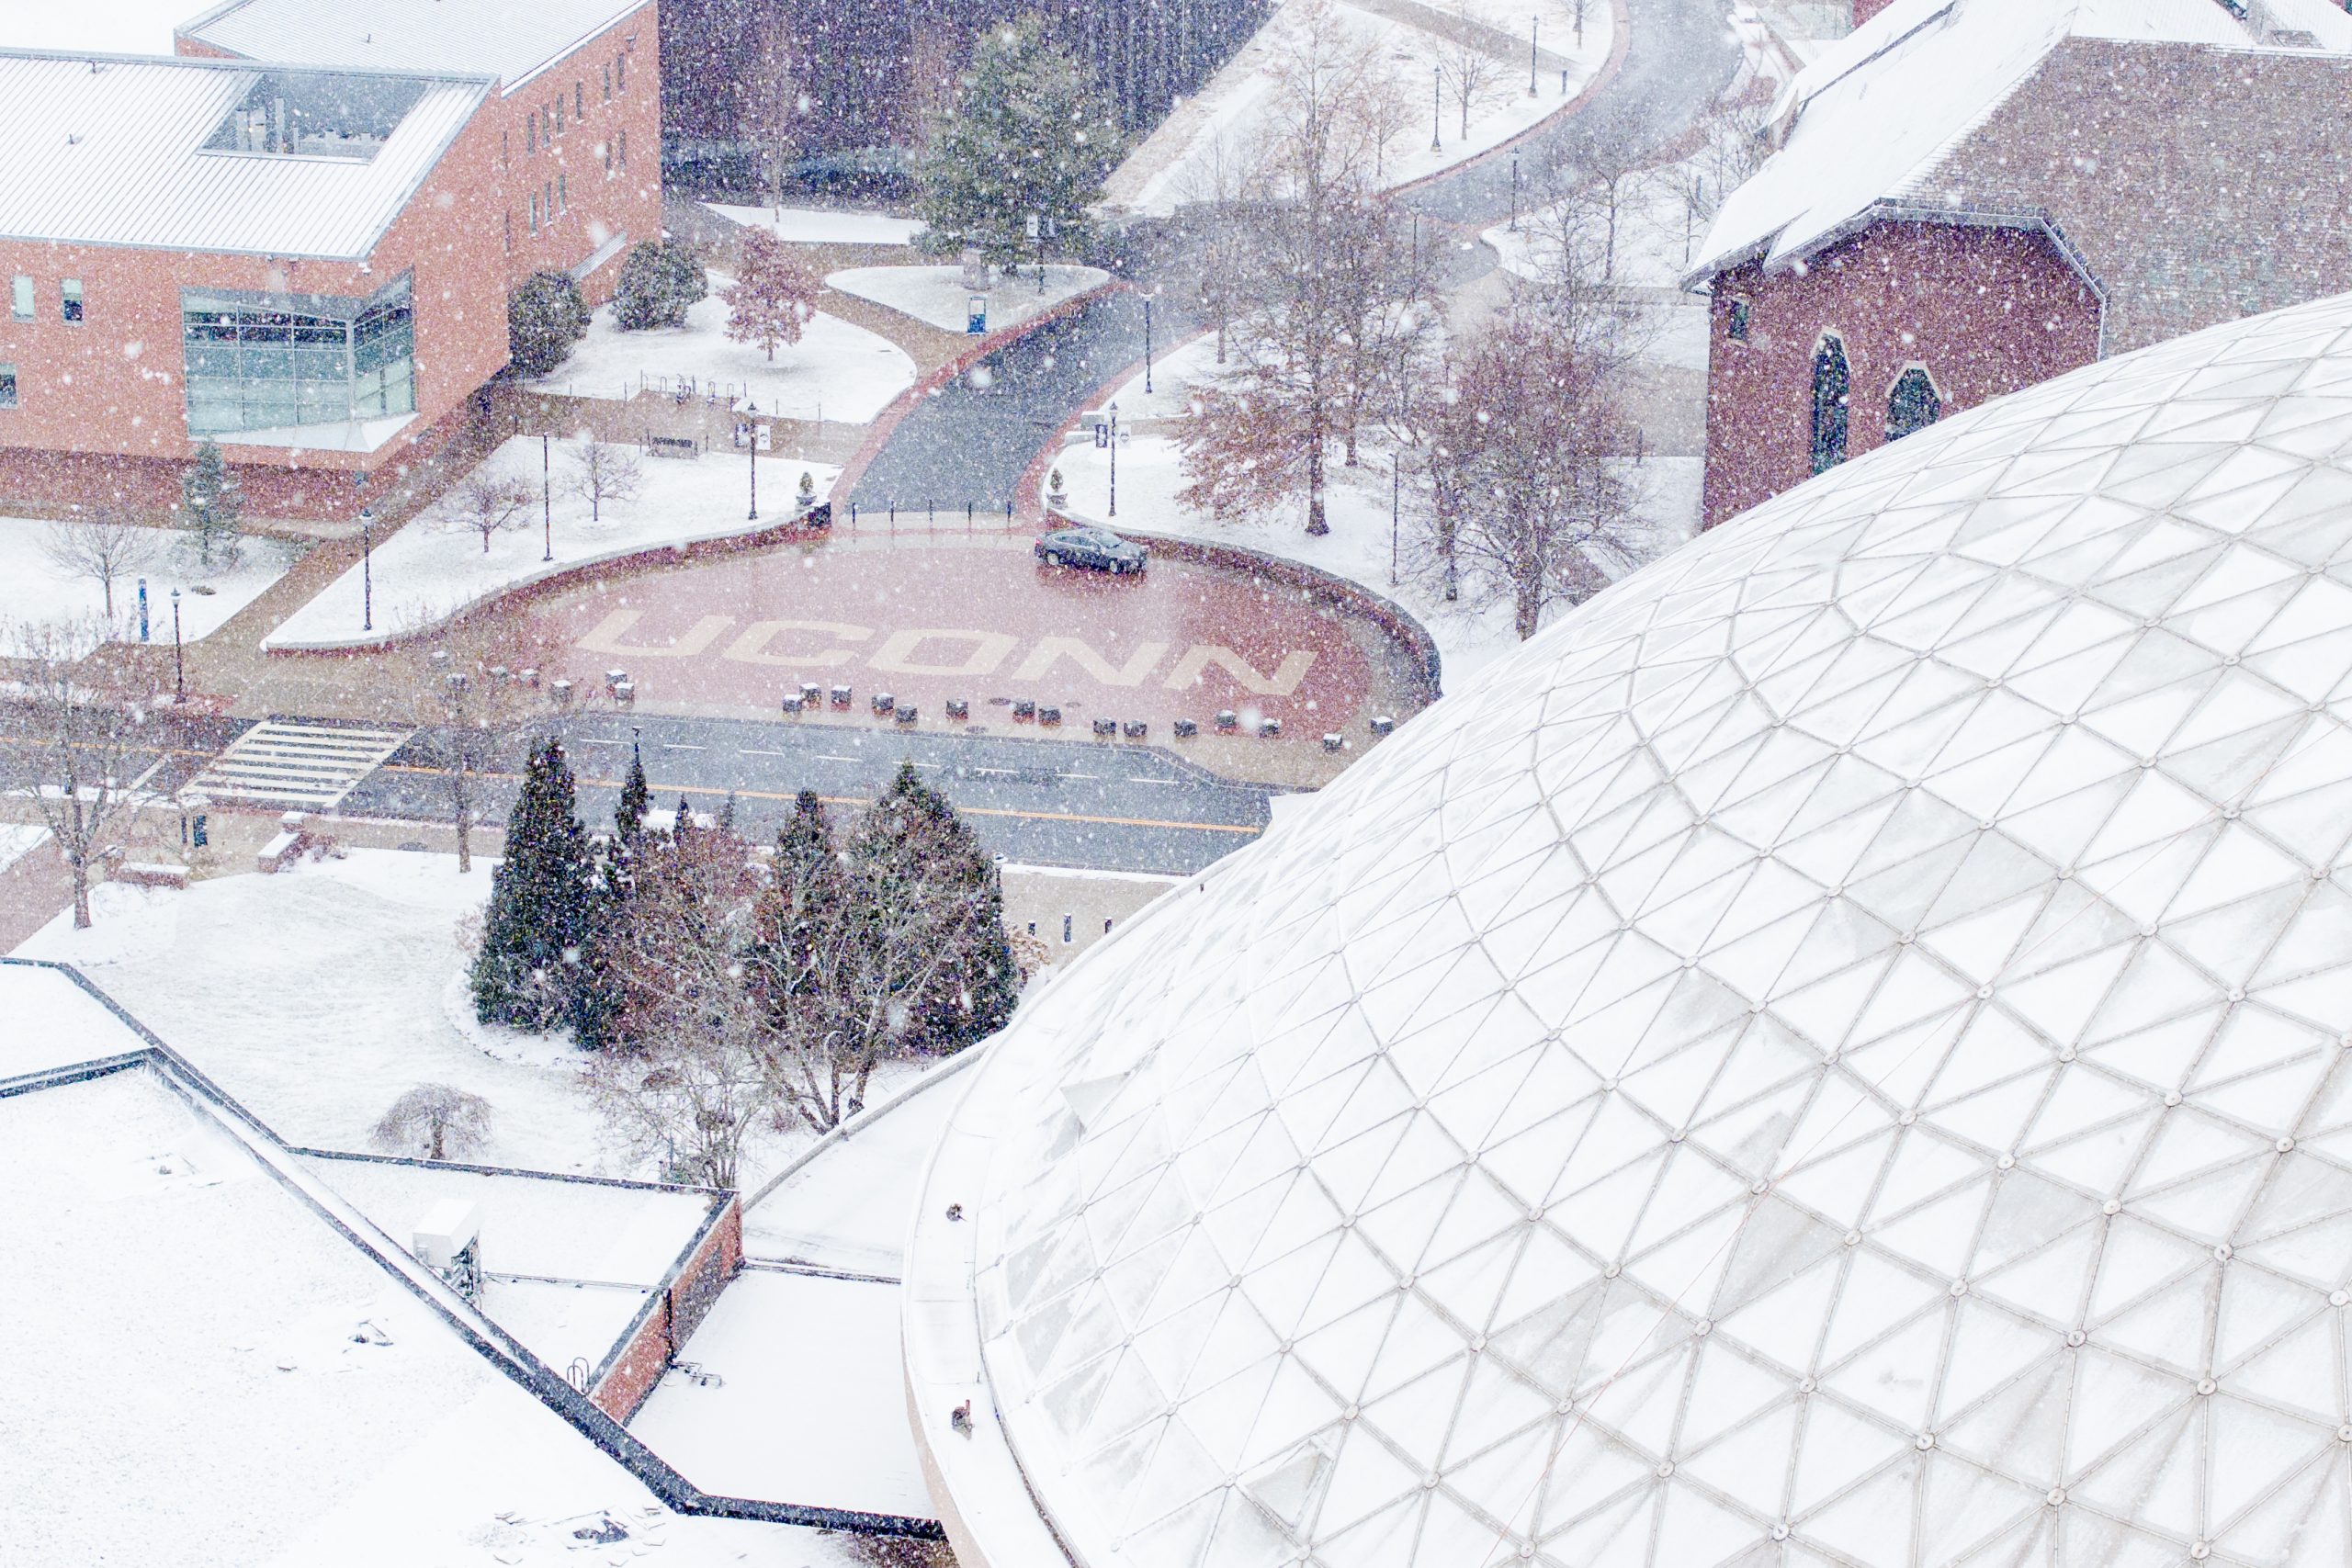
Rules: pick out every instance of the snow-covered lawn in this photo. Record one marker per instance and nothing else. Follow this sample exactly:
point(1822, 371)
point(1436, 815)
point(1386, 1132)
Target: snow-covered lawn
point(836, 371)
point(822, 226)
point(319, 996)
point(428, 573)
point(1357, 502)
point(1224, 122)
point(936, 297)
point(33, 588)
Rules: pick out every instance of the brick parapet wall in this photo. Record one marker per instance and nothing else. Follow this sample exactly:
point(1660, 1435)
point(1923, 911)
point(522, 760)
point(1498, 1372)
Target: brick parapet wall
point(672, 1314)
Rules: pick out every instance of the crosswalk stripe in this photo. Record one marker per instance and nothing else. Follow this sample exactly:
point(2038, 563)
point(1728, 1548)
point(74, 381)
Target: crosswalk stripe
point(301, 764)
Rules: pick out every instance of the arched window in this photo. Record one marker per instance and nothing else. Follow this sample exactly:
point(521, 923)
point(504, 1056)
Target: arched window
point(1831, 383)
point(1914, 405)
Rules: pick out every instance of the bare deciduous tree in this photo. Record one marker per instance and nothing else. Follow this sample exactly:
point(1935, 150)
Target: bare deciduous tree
point(82, 732)
point(104, 545)
point(603, 470)
point(435, 1120)
point(687, 1081)
point(484, 504)
point(1468, 62)
point(464, 691)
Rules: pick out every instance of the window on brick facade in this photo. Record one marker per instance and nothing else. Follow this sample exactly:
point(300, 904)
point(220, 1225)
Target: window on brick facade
point(7, 386)
point(608, 157)
point(531, 134)
point(1736, 322)
point(510, 232)
point(69, 300)
point(563, 193)
point(558, 113)
point(1914, 404)
point(621, 148)
point(608, 83)
point(534, 212)
point(580, 100)
point(547, 201)
point(1832, 389)
point(20, 297)
point(620, 71)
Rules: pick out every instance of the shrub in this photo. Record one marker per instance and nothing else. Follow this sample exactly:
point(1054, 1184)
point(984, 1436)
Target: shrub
point(660, 280)
point(544, 318)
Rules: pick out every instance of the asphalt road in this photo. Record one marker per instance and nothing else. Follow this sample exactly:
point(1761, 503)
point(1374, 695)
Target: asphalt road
point(975, 438)
point(1679, 57)
point(1069, 803)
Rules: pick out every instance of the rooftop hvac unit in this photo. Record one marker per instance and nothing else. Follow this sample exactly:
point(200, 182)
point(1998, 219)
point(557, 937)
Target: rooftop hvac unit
point(447, 1240)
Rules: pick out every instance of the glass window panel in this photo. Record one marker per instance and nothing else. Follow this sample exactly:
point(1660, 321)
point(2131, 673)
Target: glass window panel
point(7, 386)
point(69, 300)
point(20, 297)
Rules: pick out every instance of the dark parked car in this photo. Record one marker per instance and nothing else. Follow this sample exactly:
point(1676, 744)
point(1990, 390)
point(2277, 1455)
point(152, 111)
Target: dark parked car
point(1094, 547)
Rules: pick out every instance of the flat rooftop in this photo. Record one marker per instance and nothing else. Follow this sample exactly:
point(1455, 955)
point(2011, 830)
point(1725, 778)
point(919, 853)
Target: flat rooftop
point(210, 1372)
point(170, 153)
point(510, 39)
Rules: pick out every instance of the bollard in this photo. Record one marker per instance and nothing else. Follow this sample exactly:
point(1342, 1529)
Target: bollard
point(625, 693)
point(1186, 729)
point(811, 693)
point(1227, 721)
point(560, 690)
point(1049, 715)
point(1383, 725)
point(883, 702)
point(841, 696)
point(1268, 728)
point(906, 714)
point(1136, 729)
point(1106, 726)
point(792, 702)
point(959, 707)
point(1024, 707)
point(1335, 742)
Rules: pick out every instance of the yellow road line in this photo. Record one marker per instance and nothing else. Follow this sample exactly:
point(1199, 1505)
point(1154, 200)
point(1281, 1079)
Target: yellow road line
point(657, 790)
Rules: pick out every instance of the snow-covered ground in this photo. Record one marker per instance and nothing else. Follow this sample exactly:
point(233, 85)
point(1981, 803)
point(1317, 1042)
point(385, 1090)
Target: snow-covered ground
point(1181, 162)
point(1358, 502)
point(836, 371)
point(314, 996)
point(936, 297)
point(34, 589)
point(822, 226)
point(117, 26)
point(428, 573)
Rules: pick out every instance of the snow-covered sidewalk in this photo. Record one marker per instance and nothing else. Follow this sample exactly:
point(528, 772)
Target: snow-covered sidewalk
point(1178, 162)
point(822, 226)
point(936, 297)
point(34, 589)
point(429, 572)
point(837, 371)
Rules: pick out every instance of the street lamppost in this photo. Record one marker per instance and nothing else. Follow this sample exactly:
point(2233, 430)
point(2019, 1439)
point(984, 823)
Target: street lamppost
point(1535, 29)
point(1115, 457)
point(1146, 345)
point(366, 569)
point(1395, 511)
point(752, 445)
point(1437, 106)
point(1514, 193)
point(179, 662)
point(547, 497)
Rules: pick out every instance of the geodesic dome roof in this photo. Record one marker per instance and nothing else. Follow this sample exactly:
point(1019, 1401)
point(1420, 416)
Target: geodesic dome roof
point(1834, 1054)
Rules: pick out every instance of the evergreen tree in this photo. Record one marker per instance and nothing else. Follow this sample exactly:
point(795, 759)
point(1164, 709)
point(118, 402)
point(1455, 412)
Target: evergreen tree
point(544, 316)
point(213, 502)
point(1026, 135)
point(684, 825)
point(636, 799)
point(592, 998)
point(538, 902)
point(726, 814)
point(660, 280)
point(911, 858)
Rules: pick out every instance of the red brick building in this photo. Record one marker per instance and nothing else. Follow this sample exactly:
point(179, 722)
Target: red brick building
point(1968, 197)
point(301, 252)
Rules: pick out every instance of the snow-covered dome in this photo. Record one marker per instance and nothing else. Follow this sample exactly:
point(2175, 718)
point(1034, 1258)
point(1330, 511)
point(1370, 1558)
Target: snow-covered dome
point(1834, 1054)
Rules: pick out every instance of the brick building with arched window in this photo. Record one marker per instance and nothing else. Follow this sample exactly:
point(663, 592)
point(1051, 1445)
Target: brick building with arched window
point(1968, 197)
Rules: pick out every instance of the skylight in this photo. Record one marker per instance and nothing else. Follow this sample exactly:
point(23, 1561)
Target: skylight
point(311, 114)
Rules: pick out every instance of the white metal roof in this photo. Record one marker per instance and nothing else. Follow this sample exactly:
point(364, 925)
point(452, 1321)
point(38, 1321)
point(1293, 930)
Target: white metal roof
point(109, 151)
point(510, 40)
point(1876, 111)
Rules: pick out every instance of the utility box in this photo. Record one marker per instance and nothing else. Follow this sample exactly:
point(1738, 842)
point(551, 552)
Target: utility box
point(447, 1240)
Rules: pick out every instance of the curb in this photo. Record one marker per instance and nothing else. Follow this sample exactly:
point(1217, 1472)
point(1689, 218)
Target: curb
point(886, 423)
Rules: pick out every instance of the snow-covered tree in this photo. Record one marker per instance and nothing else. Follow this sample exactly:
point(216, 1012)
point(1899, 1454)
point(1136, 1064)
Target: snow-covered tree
point(102, 545)
point(212, 503)
point(78, 732)
point(773, 296)
point(434, 1121)
point(660, 280)
point(1025, 136)
point(544, 316)
point(603, 470)
point(541, 898)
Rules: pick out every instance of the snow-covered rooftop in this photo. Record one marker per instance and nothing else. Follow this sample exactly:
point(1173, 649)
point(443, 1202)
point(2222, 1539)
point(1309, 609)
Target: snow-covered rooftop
point(510, 39)
point(1875, 112)
point(212, 1374)
point(111, 150)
